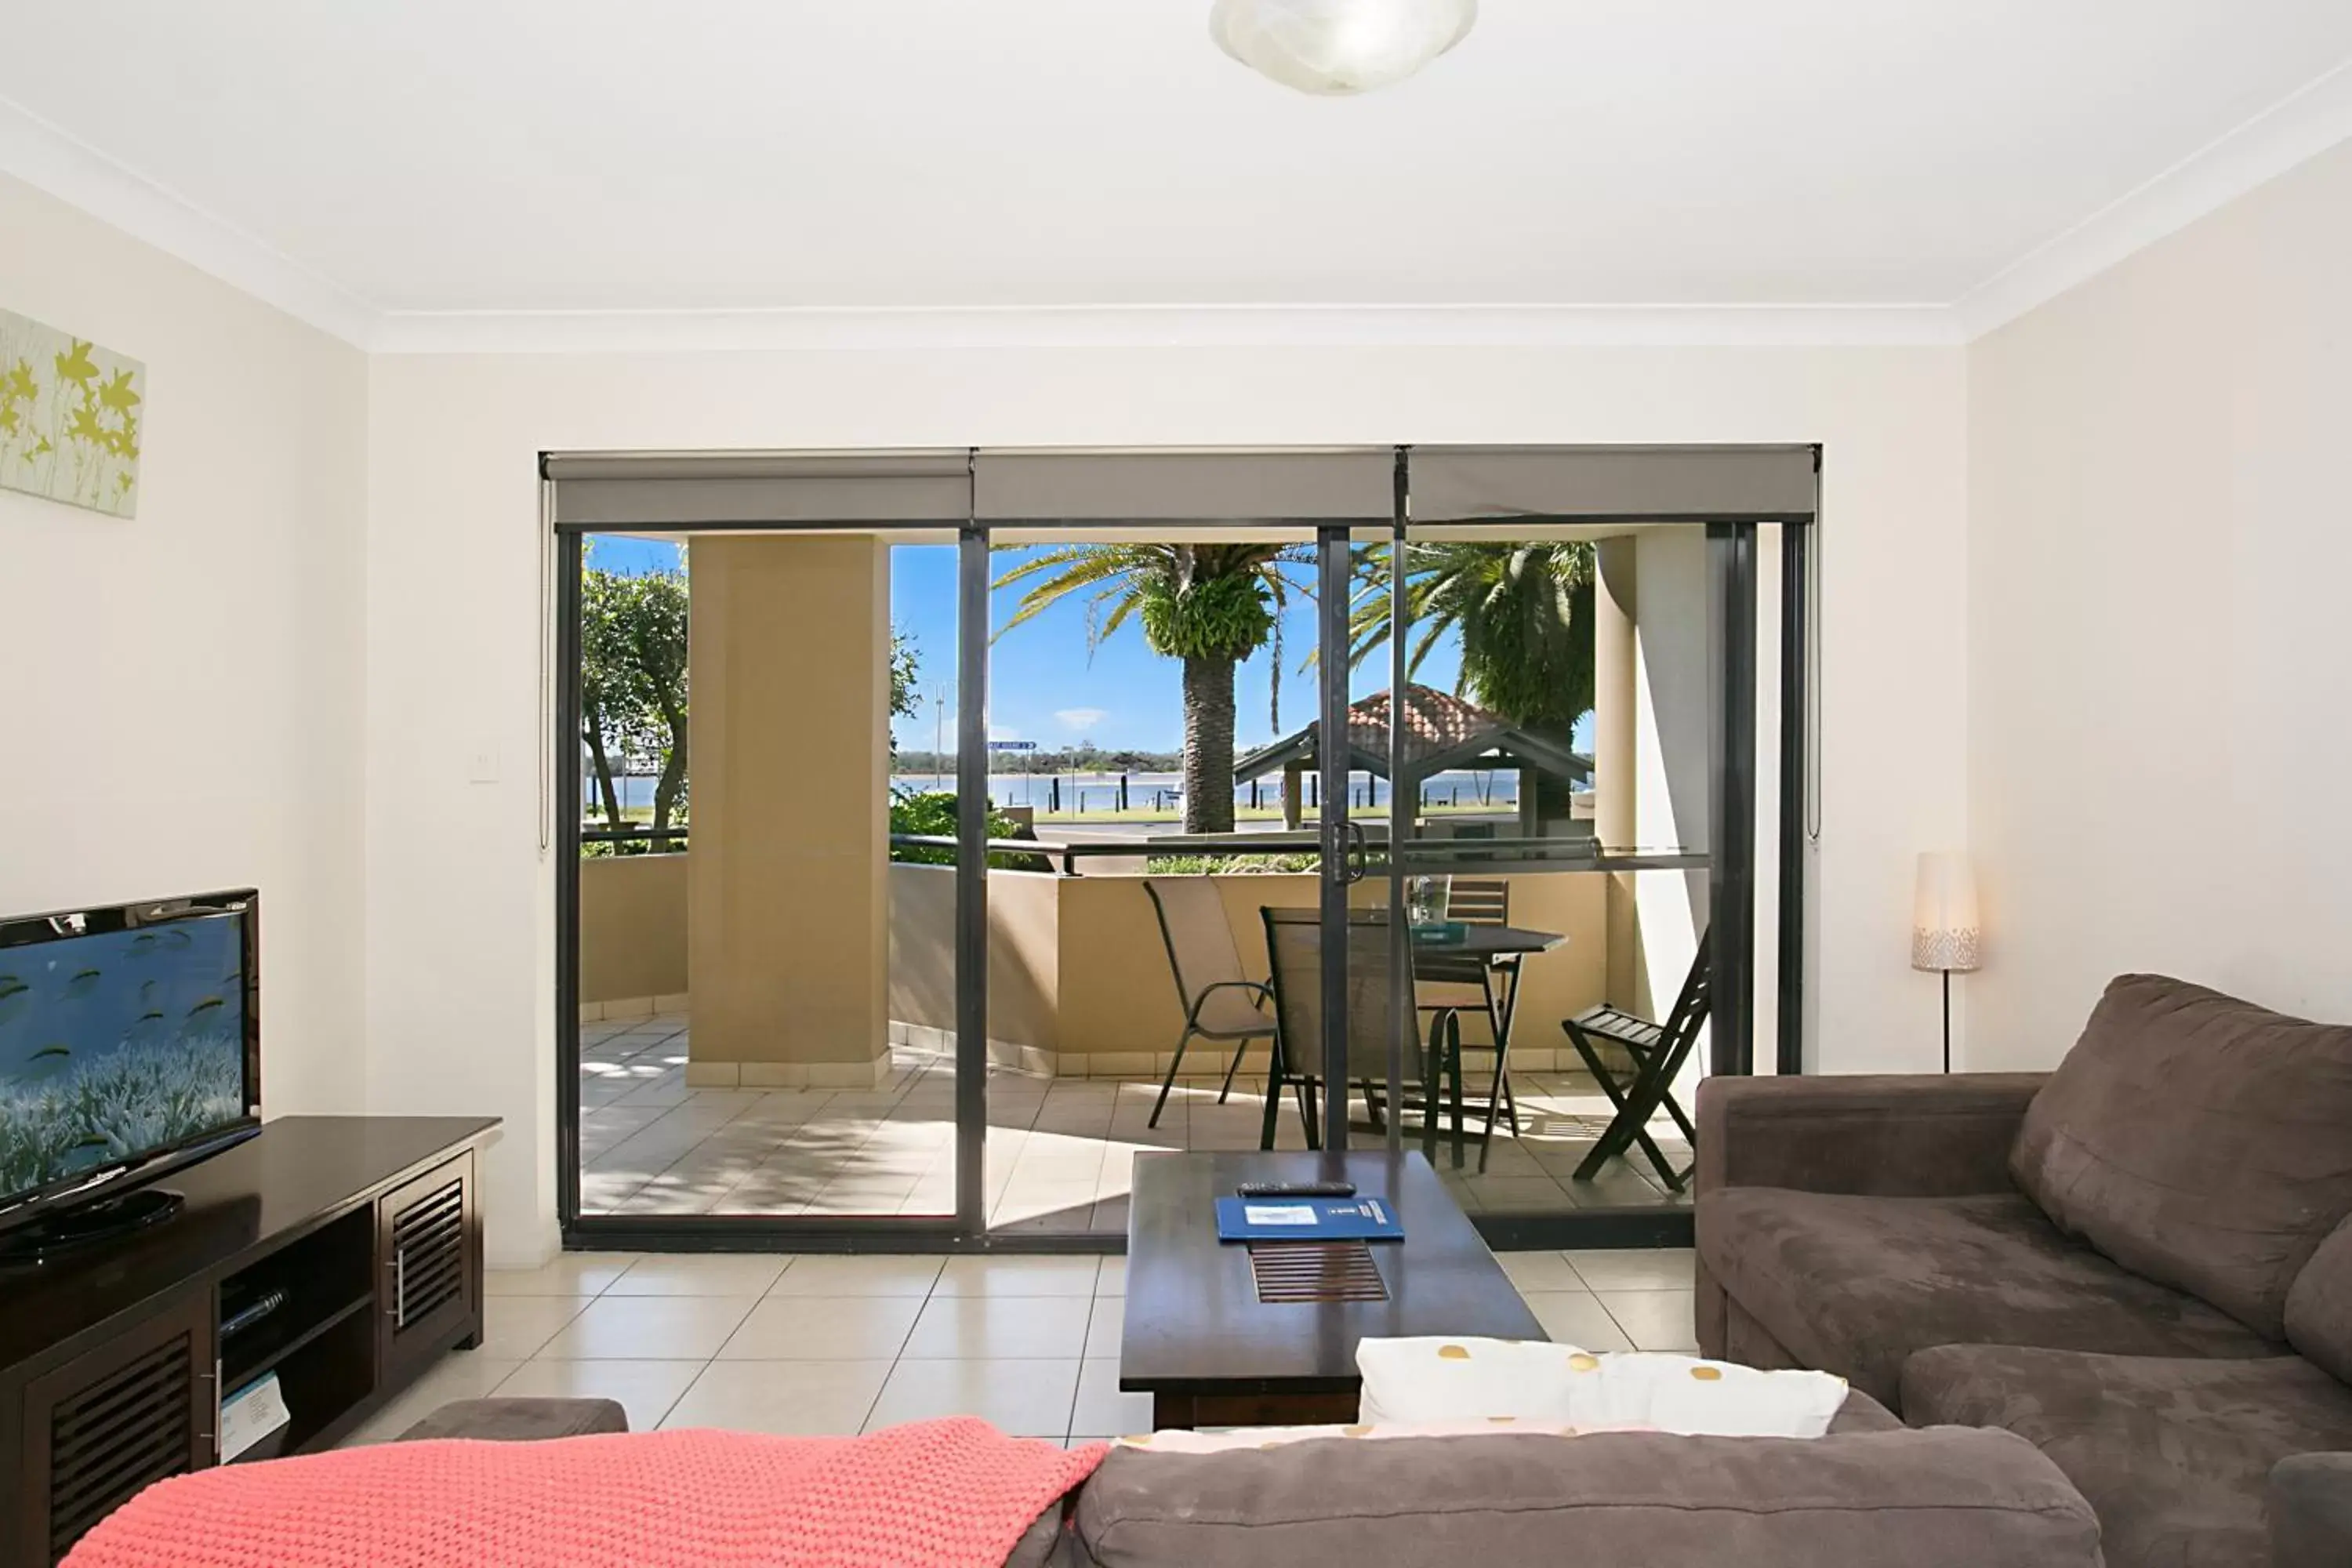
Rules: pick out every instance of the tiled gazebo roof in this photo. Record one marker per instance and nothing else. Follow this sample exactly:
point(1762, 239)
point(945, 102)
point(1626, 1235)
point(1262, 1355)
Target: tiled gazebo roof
point(1441, 731)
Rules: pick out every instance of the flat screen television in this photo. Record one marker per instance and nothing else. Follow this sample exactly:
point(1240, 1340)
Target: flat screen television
point(130, 1048)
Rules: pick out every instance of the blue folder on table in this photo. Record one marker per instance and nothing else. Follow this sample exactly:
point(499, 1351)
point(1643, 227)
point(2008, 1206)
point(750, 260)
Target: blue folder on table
point(1364, 1217)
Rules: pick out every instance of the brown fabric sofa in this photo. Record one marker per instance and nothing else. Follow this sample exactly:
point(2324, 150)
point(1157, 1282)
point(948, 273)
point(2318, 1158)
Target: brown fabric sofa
point(1871, 1494)
point(1957, 1247)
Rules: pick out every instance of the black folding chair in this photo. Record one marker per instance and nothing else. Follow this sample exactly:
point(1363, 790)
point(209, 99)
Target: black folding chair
point(1658, 1051)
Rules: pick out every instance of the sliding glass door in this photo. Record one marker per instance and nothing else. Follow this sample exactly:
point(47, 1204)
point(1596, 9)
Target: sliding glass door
point(1549, 814)
point(764, 887)
point(940, 832)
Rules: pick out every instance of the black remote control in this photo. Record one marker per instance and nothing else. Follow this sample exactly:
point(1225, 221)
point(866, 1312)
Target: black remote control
point(1295, 1190)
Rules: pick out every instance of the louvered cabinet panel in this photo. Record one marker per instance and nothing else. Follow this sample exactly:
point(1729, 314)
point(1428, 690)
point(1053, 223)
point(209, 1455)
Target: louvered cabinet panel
point(104, 1426)
point(431, 1280)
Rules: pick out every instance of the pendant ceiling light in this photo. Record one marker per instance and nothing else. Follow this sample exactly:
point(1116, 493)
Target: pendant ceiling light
point(1334, 47)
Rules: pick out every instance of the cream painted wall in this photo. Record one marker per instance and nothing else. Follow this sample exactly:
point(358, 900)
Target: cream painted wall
point(459, 891)
point(181, 707)
point(2159, 685)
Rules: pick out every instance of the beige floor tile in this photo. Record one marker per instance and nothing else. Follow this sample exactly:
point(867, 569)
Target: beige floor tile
point(1101, 1409)
point(1515, 1195)
point(1577, 1318)
point(651, 1328)
point(514, 1328)
point(461, 1374)
point(858, 1276)
point(1001, 1326)
point(1027, 1398)
point(646, 1389)
point(1642, 1268)
point(1112, 1281)
point(1653, 1319)
point(788, 1398)
point(1103, 1328)
point(824, 1328)
point(565, 1274)
point(701, 1273)
point(1539, 1272)
point(1018, 1276)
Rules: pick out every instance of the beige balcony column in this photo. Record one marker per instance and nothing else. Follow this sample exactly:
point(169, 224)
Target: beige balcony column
point(788, 896)
point(1616, 705)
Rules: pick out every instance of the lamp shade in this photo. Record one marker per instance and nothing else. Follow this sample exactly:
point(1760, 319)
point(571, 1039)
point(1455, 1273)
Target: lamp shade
point(1945, 930)
point(1336, 47)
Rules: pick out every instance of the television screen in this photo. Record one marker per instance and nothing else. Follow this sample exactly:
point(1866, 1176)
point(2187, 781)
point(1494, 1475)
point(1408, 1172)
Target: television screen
point(124, 1034)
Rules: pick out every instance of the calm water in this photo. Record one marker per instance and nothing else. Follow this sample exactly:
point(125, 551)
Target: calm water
point(1147, 792)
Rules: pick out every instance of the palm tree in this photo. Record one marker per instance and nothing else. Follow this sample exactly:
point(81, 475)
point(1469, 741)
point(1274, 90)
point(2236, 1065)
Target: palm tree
point(1209, 606)
point(1524, 612)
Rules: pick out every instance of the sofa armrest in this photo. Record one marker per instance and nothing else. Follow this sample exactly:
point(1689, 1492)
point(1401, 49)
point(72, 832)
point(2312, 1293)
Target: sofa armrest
point(1914, 1135)
point(2311, 1510)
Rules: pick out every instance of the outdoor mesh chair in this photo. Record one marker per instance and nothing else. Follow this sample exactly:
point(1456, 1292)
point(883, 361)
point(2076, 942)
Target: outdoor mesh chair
point(1294, 940)
point(1494, 980)
point(1220, 1002)
point(1658, 1051)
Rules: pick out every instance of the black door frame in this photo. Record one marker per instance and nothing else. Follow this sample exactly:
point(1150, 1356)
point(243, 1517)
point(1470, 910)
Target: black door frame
point(1732, 587)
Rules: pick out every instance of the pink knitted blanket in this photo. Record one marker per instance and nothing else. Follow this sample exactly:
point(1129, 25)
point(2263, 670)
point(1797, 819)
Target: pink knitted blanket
point(943, 1494)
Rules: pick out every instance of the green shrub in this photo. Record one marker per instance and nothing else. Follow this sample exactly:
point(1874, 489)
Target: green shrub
point(932, 814)
point(1232, 865)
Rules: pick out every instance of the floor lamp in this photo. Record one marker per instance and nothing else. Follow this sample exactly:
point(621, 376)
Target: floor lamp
point(1945, 934)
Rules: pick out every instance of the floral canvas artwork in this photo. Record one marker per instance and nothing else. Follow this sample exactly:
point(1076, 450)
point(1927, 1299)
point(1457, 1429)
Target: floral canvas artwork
point(70, 417)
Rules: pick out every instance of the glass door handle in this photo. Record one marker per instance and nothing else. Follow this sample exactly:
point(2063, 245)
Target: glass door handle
point(1345, 856)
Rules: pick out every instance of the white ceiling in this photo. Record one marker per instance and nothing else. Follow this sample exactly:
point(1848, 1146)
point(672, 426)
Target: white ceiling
point(431, 156)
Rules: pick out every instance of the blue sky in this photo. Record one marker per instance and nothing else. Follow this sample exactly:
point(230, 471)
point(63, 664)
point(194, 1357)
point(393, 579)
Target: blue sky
point(1046, 685)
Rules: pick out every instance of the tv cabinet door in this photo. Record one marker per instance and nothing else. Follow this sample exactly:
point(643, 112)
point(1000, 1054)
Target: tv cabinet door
point(428, 1240)
point(111, 1421)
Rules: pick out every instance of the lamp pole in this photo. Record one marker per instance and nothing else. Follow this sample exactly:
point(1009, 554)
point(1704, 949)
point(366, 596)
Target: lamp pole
point(1948, 1023)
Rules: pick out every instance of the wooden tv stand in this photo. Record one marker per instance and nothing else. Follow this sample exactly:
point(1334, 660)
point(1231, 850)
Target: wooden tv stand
point(112, 1363)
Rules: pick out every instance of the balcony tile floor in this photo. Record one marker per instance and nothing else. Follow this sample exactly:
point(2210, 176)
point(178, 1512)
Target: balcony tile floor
point(1058, 1148)
point(835, 1345)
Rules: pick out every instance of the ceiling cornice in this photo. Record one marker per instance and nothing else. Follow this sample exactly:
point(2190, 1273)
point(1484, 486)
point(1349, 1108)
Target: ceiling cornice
point(2301, 126)
point(1165, 326)
point(52, 160)
point(2315, 118)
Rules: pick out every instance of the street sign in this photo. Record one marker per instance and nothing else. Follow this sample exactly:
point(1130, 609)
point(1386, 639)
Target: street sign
point(1013, 745)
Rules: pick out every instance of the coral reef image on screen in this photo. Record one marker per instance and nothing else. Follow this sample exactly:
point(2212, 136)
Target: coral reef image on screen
point(117, 1043)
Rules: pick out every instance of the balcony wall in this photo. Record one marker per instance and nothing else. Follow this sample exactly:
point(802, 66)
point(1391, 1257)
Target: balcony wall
point(1078, 976)
point(631, 928)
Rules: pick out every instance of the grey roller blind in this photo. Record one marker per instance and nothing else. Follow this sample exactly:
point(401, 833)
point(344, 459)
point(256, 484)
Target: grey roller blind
point(1729, 484)
point(652, 489)
point(1335, 483)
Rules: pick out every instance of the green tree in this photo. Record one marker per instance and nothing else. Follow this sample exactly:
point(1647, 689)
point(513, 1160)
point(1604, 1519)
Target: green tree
point(906, 665)
point(1523, 612)
point(1209, 606)
point(632, 686)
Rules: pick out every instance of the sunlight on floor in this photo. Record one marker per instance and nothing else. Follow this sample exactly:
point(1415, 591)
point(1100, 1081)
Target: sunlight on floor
point(1059, 1149)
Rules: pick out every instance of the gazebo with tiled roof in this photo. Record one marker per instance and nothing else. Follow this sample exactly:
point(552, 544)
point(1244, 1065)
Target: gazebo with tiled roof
point(1441, 731)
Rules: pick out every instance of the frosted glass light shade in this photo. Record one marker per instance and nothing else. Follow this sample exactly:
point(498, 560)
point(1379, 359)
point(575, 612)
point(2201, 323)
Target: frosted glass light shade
point(1946, 933)
point(1338, 46)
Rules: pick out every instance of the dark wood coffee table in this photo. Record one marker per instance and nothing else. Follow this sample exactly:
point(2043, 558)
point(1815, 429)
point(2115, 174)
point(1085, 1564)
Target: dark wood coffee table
point(1211, 1353)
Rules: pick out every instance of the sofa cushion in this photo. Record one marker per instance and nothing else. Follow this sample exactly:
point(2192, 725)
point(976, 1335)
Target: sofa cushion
point(1947, 1499)
point(2174, 1454)
point(2319, 1306)
point(1853, 1285)
point(2198, 1139)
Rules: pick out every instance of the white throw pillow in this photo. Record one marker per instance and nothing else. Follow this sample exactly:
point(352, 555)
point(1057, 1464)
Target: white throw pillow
point(1418, 1380)
point(1413, 1381)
